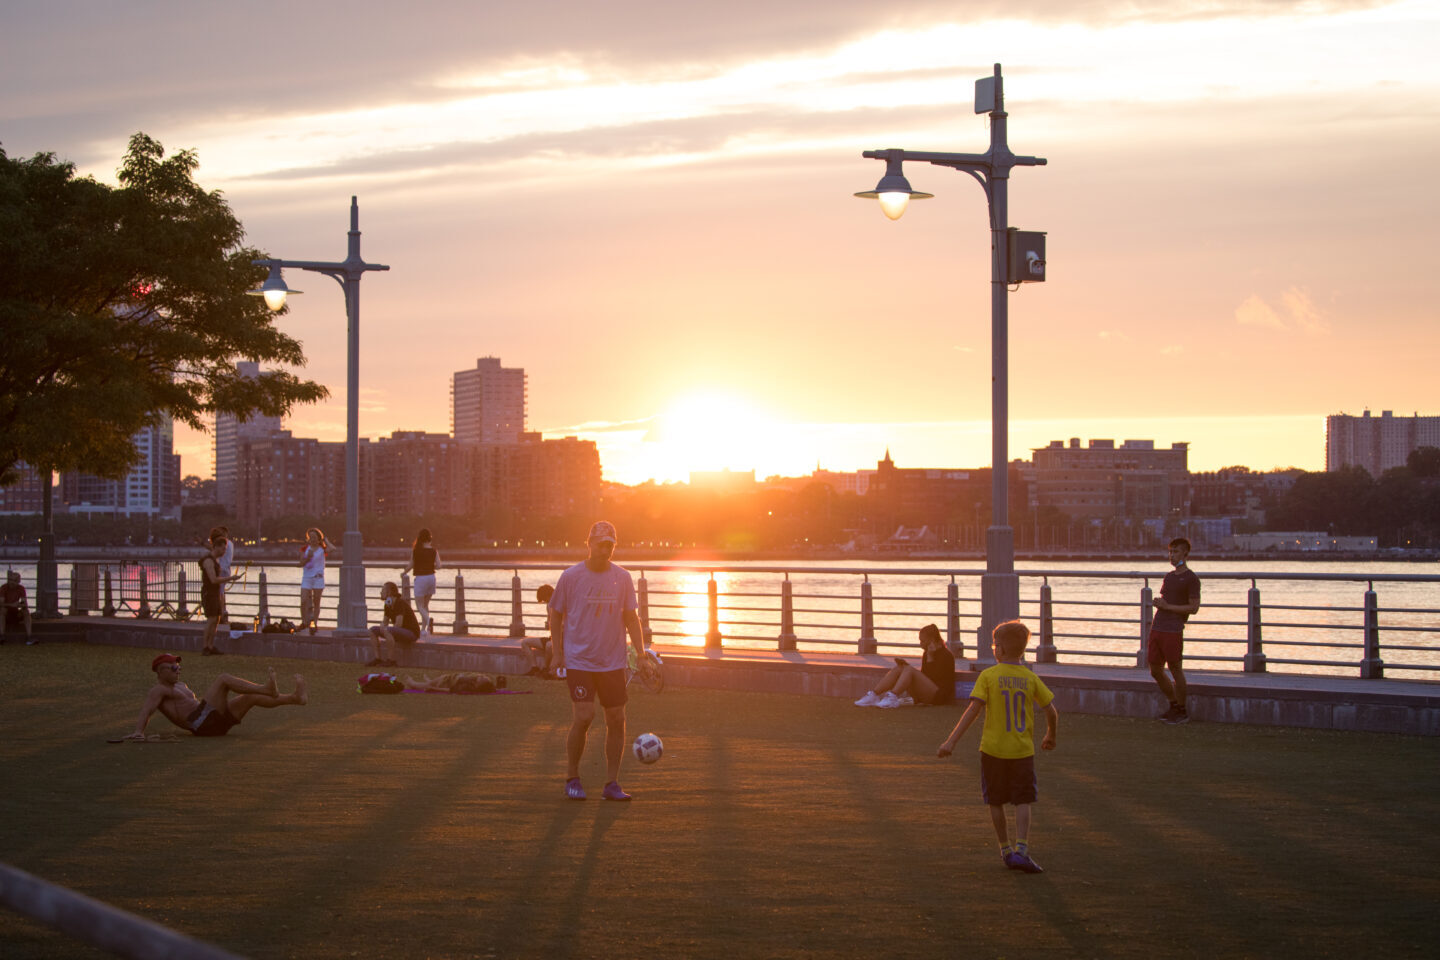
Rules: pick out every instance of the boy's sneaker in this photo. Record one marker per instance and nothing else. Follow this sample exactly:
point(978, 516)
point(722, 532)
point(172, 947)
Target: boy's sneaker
point(1022, 862)
point(869, 700)
point(573, 790)
point(613, 792)
point(1176, 715)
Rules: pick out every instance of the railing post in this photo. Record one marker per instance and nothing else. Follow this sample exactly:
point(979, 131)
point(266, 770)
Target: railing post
point(1372, 667)
point(867, 618)
point(954, 639)
point(182, 608)
point(262, 608)
point(109, 609)
point(787, 615)
point(144, 612)
point(75, 610)
point(461, 627)
point(1255, 649)
point(405, 587)
point(1046, 652)
point(644, 600)
point(712, 635)
point(517, 613)
point(1147, 615)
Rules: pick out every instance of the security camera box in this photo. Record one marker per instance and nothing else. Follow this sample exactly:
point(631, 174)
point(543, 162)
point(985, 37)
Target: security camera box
point(1025, 260)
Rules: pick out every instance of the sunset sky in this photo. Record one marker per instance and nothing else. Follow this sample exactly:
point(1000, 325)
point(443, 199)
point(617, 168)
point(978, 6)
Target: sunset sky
point(648, 207)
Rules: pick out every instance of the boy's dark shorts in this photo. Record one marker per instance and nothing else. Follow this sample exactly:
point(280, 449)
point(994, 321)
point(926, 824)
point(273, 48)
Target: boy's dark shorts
point(608, 686)
point(1005, 780)
point(1165, 647)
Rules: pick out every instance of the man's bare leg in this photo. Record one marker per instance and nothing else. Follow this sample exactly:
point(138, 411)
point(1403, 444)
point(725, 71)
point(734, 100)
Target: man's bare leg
point(241, 705)
point(614, 741)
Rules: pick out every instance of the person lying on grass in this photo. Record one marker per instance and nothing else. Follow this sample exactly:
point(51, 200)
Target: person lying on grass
point(217, 712)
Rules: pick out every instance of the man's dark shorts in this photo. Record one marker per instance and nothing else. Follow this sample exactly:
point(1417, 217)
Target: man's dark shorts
point(1165, 647)
point(206, 721)
point(14, 618)
point(211, 603)
point(608, 686)
point(1004, 780)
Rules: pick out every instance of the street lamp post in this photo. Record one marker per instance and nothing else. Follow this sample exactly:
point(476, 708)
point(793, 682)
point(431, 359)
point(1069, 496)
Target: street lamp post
point(1015, 257)
point(351, 618)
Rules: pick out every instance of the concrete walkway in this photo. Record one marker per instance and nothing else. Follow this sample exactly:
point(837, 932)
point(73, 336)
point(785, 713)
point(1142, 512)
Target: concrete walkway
point(1324, 702)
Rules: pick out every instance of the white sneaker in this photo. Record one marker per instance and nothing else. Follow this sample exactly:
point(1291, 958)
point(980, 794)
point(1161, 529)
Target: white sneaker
point(889, 701)
point(869, 700)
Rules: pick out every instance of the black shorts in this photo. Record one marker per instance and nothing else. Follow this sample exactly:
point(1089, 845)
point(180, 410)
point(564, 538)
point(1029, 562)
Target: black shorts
point(205, 721)
point(1007, 780)
point(14, 618)
point(608, 686)
point(211, 603)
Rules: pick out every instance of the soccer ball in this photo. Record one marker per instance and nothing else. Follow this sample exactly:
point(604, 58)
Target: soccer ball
point(648, 748)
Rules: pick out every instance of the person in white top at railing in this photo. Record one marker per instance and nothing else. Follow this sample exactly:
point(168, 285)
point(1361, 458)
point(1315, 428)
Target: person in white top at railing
point(312, 580)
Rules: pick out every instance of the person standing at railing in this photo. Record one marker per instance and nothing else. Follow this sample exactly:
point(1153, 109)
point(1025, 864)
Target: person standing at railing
point(1179, 597)
point(591, 611)
point(424, 560)
point(227, 560)
point(212, 597)
point(312, 577)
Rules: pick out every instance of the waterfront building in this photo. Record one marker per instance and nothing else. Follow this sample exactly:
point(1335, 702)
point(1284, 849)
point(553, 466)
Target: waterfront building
point(1301, 542)
point(25, 495)
point(487, 404)
point(415, 473)
point(1376, 443)
point(151, 488)
point(230, 432)
point(941, 500)
point(535, 480)
point(1103, 481)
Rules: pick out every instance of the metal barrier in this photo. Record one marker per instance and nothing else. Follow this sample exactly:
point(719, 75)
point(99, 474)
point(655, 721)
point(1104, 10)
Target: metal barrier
point(1095, 616)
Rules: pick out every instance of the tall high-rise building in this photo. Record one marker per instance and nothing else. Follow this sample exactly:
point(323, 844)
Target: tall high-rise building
point(487, 404)
point(230, 433)
point(1376, 443)
point(152, 487)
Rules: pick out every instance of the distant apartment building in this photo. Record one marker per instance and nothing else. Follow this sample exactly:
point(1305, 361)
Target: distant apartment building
point(230, 433)
point(940, 499)
point(287, 476)
point(1376, 443)
point(151, 488)
point(413, 473)
point(552, 478)
point(1103, 481)
point(26, 495)
point(487, 404)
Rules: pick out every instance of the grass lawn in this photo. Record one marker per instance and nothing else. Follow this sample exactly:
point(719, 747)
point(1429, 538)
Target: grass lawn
point(775, 826)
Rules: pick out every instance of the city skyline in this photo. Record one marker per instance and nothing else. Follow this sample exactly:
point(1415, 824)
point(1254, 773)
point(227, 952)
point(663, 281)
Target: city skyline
point(652, 216)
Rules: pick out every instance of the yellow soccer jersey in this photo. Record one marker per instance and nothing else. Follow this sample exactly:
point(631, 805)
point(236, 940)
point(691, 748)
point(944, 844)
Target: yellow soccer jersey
point(1010, 693)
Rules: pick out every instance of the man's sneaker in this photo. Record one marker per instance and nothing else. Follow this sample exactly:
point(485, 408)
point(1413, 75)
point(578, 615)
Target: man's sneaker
point(1169, 715)
point(613, 792)
point(573, 790)
point(869, 700)
point(1177, 715)
point(1022, 862)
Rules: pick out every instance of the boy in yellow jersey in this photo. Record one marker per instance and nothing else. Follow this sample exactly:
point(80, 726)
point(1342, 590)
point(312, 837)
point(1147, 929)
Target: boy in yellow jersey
point(1008, 694)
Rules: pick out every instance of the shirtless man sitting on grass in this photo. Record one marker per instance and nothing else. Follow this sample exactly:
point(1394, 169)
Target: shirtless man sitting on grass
point(218, 711)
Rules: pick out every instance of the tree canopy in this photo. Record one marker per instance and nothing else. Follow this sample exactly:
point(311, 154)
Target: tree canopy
point(121, 304)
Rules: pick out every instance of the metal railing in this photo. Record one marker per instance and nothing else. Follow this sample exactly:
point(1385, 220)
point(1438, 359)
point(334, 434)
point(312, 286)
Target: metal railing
point(1314, 622)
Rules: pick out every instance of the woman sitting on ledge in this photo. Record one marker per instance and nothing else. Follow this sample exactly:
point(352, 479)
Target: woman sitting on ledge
point(904, 686)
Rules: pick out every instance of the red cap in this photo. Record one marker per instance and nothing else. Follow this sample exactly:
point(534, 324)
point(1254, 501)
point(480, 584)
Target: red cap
point(163, 658)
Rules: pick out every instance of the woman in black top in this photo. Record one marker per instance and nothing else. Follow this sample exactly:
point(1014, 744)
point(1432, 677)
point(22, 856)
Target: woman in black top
point(903, 685)
point(424, 560)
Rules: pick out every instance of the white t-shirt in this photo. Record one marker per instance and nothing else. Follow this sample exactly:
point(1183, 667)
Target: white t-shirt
point(313, 576)
point(593, 607)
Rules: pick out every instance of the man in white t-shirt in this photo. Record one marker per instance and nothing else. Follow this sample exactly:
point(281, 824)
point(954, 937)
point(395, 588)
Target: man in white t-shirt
point(591, 611)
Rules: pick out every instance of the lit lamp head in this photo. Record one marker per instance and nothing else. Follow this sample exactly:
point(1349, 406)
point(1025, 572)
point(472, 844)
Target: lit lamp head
point(273, 289)
point(893, 191)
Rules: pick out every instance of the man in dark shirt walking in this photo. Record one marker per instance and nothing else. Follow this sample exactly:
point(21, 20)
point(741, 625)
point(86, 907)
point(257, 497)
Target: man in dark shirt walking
point(1179, 597)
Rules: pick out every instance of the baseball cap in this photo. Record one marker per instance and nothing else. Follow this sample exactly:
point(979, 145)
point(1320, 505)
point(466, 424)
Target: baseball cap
point(163, 659)
point(603, 530)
